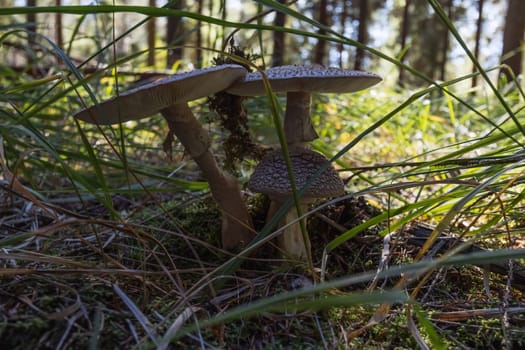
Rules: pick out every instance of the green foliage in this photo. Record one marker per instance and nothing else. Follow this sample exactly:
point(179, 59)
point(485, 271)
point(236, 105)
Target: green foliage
point(102, 209)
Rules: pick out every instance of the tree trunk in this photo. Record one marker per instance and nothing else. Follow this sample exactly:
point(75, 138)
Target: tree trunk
point(479, 25)
point(278, 38)
point(320, 47)
point(224, 14)
point(344, 16)
point(405, 27)
point(174, 37)
point(446, 44)
point(198, 40)
point(31, 29)
point(362, 32)
point(209, 41)
point(151, 37)
point(59, 39)
point(513, 36)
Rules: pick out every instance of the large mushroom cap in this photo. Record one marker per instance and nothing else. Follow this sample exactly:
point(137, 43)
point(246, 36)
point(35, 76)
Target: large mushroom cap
point(271, 177)
point(151, 98)
point(310, 78)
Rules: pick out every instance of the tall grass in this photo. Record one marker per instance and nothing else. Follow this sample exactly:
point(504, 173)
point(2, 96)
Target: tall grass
point(104, 224)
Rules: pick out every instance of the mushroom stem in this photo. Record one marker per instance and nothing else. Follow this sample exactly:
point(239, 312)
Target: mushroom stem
point(297, 122)
point(291, 240)
point(237, 227)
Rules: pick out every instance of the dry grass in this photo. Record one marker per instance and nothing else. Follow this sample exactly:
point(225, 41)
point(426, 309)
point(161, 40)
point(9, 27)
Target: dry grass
point(107, 243)
point(70, 281)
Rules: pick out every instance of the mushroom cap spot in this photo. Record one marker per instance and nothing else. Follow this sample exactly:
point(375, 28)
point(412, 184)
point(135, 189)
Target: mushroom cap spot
point(150, 98)
point(271, 177)
point(309, 78)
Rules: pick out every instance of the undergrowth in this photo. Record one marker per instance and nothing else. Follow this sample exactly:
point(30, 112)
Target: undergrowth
point(106, 242)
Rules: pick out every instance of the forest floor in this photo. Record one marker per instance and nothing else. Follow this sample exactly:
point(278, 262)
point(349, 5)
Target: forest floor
point(77, 282)
point(107, 243)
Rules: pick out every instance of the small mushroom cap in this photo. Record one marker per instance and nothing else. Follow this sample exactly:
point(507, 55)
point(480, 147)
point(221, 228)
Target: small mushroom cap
point(311, 78)
point(150, 98)
point(271, 177)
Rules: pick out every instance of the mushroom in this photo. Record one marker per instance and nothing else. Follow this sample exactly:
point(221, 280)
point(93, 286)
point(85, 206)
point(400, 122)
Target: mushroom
point(169, 97)
point(299, 82)
point(270, 177)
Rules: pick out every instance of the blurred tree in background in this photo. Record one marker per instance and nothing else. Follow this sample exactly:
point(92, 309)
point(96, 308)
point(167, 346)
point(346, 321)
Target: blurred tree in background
point(122, 217)
point(408, 29)
point(513, 35)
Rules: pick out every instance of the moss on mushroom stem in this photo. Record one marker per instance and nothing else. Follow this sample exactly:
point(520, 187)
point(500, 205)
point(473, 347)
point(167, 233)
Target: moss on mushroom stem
point(233, 117)
point(232, 114)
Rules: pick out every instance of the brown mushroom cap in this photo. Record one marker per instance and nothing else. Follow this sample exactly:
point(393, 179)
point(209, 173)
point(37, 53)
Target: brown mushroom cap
point(271, 177)
point(150, 98)
point(310, 78)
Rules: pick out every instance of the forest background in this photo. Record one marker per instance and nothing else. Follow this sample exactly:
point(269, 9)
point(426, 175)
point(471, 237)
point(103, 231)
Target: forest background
point(409, 30)
point(106, 241)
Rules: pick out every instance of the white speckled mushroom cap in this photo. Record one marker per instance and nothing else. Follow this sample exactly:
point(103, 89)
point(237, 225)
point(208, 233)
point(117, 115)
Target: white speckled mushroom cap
point(271, 177)
point(151, 98)
point(310, 78)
